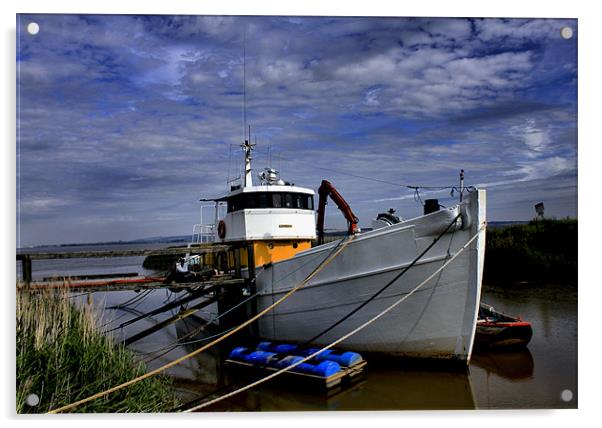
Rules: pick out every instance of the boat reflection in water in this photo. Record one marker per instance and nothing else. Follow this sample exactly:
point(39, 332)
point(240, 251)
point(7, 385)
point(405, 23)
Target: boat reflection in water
point(383, 387)
point(207, 371)
point(379, 390)
point(512, 365)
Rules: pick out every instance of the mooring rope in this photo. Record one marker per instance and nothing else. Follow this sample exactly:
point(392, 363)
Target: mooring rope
point(339, 340)
point(166, 308)
point(387, 285)
point(125, 309)
point(168, 348)
point(319, 268)
point(132, 300)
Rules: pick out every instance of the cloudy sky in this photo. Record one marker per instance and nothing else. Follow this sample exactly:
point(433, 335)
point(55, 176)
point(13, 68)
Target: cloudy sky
point(125, 122)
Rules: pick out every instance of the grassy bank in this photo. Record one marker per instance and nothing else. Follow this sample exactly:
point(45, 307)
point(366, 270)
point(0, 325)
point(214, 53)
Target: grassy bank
point(543, 251)
point(62, 357)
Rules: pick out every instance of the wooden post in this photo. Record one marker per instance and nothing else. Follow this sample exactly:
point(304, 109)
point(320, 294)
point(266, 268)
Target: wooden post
point(27, 270)
point(251, 266)
point(224, 261)
point(237, 262)
point(253, 327)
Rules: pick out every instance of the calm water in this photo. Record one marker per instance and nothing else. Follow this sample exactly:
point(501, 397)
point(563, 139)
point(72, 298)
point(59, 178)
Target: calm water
point(531, 378)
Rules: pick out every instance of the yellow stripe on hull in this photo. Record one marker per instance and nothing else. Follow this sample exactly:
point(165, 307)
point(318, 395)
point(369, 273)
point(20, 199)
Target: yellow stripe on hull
point(274, 251)
point(265, 252)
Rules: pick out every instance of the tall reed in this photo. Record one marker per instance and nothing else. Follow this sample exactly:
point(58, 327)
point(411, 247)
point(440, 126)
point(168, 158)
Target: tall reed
point(543, 251)
point(62, 357)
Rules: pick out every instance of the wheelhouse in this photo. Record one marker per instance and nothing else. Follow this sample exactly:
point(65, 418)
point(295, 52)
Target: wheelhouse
point(261, 200)
point(275, 218)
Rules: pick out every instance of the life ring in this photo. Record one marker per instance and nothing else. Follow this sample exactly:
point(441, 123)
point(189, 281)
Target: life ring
point(221, 229)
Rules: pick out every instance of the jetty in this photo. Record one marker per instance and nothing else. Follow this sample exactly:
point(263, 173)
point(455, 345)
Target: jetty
point(225, 260)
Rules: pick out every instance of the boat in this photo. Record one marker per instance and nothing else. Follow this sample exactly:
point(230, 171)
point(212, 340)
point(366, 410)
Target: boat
point(499, 330)
point(278, 223)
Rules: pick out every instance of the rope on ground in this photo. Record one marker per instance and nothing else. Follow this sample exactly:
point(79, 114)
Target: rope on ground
point(321, 266)
point(339, 340)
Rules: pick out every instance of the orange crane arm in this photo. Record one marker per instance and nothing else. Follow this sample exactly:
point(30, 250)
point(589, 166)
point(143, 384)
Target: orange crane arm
point(326, 189)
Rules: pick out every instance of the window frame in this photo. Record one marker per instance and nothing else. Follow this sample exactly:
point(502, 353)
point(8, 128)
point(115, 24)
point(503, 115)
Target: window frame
point(270, 200)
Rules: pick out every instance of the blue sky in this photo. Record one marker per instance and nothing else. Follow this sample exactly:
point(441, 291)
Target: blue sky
point(124, 122)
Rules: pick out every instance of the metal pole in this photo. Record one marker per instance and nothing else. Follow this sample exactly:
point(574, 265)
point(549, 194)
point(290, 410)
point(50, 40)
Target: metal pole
point(201, 228)
point(215, 221)
point(461, 183)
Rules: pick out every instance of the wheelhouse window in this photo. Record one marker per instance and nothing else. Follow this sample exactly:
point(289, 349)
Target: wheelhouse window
point(276, 200)
point(309, 200)
point(270, 200)
point(263, 200)
point(288, 200)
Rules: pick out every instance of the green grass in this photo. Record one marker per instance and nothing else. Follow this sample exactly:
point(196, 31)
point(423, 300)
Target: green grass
point(62, 357)
point(543, 251)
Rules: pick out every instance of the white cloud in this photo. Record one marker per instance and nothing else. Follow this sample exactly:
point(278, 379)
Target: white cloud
point(41, 204)
point(372, 98)
point(283, 71)
point(535, 138)
point(532, 29)
point(545, 168)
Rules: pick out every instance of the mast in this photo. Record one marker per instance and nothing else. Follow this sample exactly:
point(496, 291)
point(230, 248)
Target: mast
point(248, 148)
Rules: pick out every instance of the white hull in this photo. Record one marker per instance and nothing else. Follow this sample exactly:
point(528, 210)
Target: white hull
point(438, 321)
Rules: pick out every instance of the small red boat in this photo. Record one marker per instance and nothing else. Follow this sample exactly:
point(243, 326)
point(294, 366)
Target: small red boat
point(495, 329)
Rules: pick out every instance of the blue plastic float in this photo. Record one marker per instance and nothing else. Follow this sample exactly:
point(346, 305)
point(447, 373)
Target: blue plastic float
point(280, 356)
point(346, 359)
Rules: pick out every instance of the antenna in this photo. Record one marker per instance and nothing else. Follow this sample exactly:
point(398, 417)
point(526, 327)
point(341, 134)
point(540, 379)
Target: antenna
point(244, 85)
point(246, 145)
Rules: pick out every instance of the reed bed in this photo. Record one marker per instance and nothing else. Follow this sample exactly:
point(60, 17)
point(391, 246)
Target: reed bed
point(539, 252)
point(62, 357)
